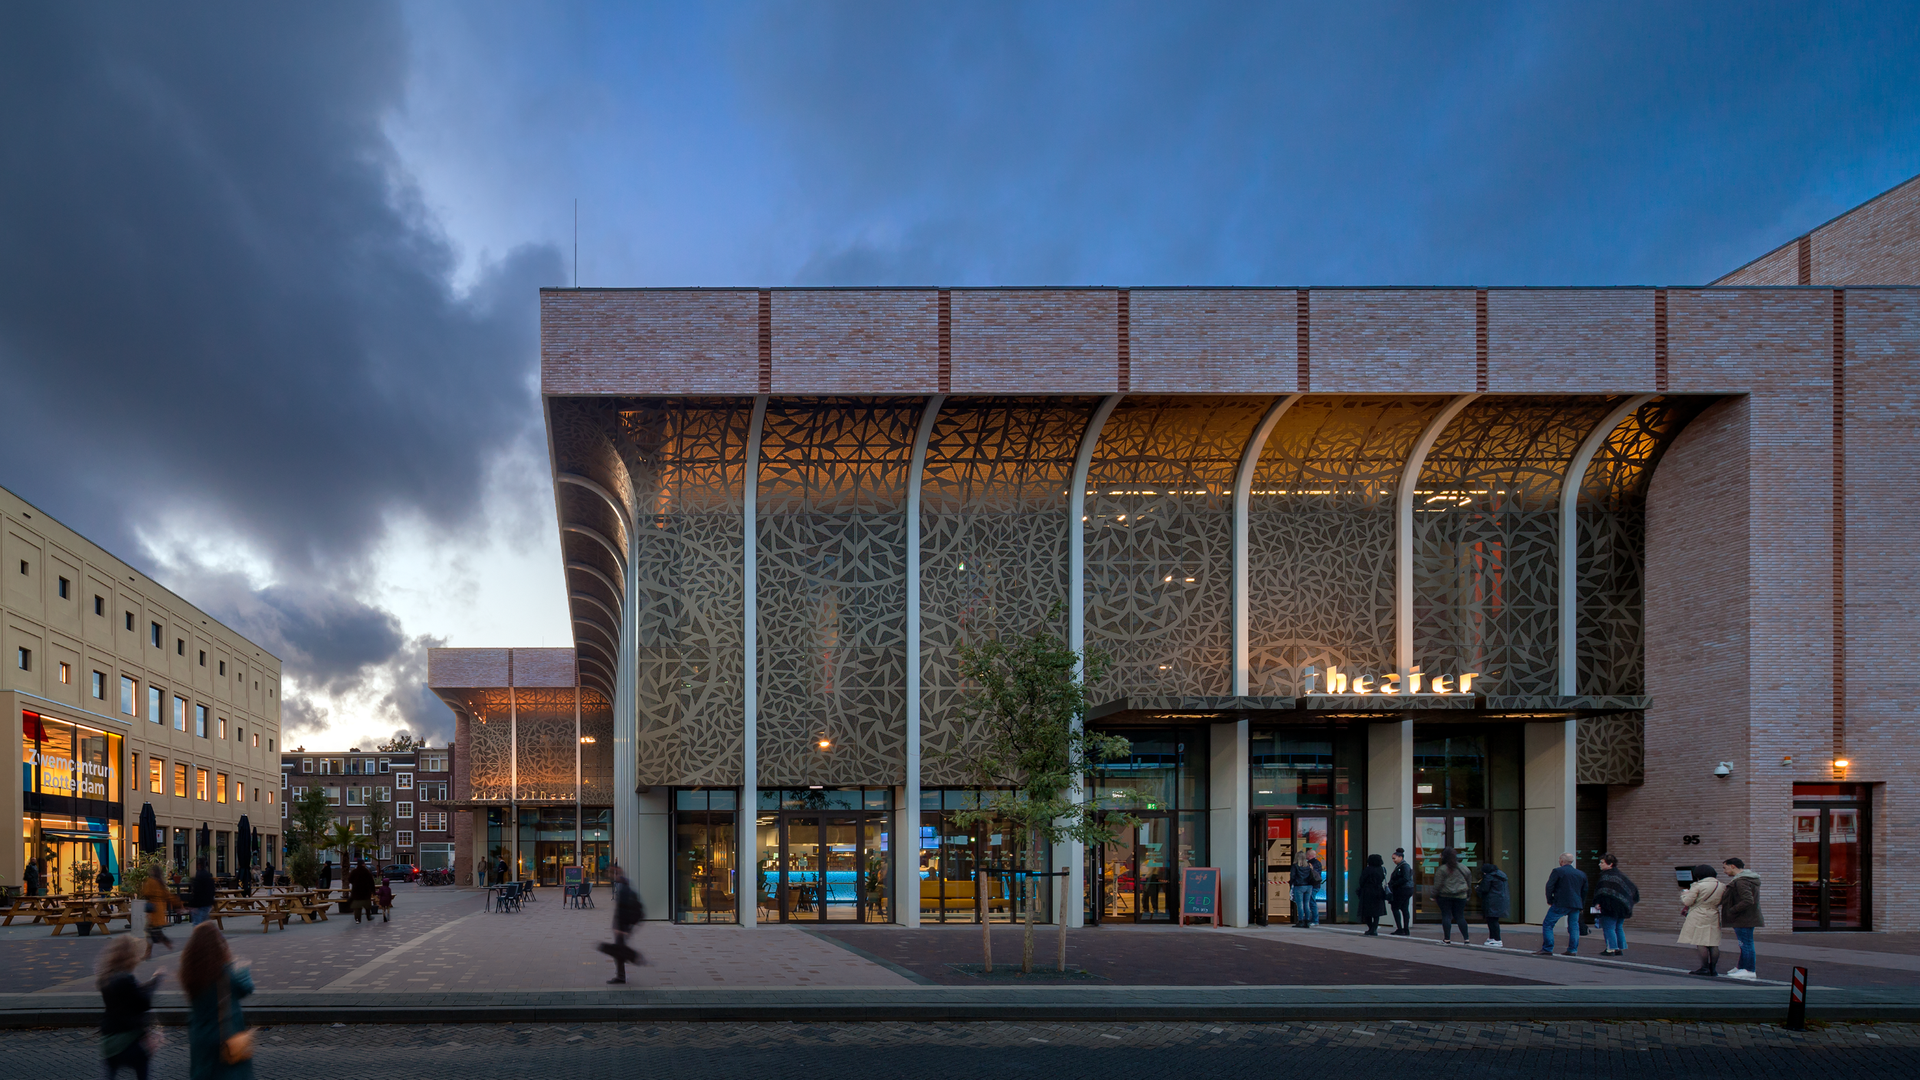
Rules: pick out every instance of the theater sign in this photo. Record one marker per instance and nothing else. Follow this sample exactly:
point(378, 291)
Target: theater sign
point(1417, 683)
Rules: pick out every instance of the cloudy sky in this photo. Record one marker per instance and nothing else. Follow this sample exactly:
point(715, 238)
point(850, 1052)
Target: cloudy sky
point(268, 273)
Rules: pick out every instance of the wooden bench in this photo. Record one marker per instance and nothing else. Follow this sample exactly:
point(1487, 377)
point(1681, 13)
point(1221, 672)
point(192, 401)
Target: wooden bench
point(308, 908)
point(100, 913)
point(38, 908)
point(270, 909)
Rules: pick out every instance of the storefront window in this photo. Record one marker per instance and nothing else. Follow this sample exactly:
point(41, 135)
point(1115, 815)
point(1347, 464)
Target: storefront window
point(967, 873)
point(1162, 783)
point(72, 803)
point(705, 867)
point(1466, 796)
point(821, 855)
point(1306, 794)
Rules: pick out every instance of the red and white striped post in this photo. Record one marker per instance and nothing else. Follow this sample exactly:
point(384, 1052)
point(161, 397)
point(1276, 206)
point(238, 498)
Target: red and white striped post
point(1797, 1001)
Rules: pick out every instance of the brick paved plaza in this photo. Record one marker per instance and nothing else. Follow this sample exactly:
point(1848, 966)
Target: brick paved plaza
point(442, 939)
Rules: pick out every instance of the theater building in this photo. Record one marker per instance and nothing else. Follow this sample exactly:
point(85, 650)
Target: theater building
point(1518, 571)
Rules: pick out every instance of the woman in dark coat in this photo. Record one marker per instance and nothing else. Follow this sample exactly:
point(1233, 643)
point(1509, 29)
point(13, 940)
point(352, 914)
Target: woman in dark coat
point(125, 1039)
point(214, 985)
point(1373, 894)
point(1495, 901)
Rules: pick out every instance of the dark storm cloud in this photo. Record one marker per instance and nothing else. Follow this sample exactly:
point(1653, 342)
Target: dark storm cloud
point(221, 302)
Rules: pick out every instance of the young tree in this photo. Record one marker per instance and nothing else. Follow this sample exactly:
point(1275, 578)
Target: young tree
point(379, 827)
point(308, 820)
point(1029, 702)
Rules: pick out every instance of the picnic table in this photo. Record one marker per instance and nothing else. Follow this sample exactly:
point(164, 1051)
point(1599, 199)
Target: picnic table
point(97, 910)
point(269, 909)
point(36, 907)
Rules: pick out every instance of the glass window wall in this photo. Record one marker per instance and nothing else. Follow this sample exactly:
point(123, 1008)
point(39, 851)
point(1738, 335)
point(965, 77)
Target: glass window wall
point(705, 867)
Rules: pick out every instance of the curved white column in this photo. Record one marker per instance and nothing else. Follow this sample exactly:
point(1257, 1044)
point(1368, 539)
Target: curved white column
point(1570, 540)
point(1073, 857)
point(743, 818)
point(906, 853)
point(1242, 500)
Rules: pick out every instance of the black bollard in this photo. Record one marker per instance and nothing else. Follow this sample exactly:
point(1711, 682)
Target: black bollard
point(1797, 1001)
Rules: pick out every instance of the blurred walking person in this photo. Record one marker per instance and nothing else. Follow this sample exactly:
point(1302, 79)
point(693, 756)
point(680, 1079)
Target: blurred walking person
point(1741, 913)
point(1701, 904)
point(360, 891)
point(1495, 901)
point(159, 911)
point(1566, 895)
point(627, 913)
point(1400, 893)
point(200, 893)
point(219, 1046)
point(1615, 894)
point(127, 1035)
point(1450, 888)
point(1373, 894)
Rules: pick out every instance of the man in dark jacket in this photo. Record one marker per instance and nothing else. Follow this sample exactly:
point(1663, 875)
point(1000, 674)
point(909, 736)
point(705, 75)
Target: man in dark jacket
point(627, 913)
point(200, 893)
point(1305, 881)
point(360, 891)
point(1741, 911)
point(1566, 893)
point(1400, 893)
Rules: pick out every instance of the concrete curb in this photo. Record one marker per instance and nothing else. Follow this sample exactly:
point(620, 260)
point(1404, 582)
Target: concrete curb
point(951, 1004)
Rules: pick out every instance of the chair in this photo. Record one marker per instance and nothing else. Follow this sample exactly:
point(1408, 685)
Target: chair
point(585, 896)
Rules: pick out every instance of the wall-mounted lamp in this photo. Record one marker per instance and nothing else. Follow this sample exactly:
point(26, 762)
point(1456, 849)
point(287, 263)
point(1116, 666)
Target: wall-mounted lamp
point(1723, 770)
point(1840, 766)
point(824, 743)
point(588, 739)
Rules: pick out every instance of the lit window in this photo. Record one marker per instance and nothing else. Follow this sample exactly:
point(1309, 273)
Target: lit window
point(220, 787)
point(128, 695)
point(25, 656)
point(433, 821)
point(156, 775)
point(200, 784)
point(403, 838)
point(403, 781)
point(223, 727)
point(66, 672)
point(256, 740)
point(270, 798)
point(179, 781)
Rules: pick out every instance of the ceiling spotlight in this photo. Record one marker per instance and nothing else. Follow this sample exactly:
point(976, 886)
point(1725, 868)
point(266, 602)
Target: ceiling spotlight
point(586, 739)
point(825, 744)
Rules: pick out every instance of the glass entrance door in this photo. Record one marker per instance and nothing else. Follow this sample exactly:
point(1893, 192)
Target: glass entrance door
point(1466, 834)
point(1830, 866)
point(1136, 872)
point(1279, 840)
point(823, 867)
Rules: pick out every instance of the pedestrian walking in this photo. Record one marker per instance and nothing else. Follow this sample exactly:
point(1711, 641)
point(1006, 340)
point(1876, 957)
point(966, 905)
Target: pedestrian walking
point(1614, 894)
point(1566, 895)
point(219, 1046)
point(1450, 888)
point(326, 875)
point(500, 872)
point(1495, 901)
point(1701, 905)
point(1304, 880)
point(160, 903)
point(103, 881)
point(1400, 893)
point(627, 913)
point(1373, 894)
point(384, 895)
point(1741, 911)
point(30, 881)
point(200, 893)
point(360, 891)
point(127, 1035)
point(480, 871)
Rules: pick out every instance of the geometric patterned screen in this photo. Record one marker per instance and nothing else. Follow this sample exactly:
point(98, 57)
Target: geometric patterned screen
point(543, 719)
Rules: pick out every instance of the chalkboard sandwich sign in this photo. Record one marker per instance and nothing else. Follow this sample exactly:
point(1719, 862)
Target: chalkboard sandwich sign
point(1200, 894)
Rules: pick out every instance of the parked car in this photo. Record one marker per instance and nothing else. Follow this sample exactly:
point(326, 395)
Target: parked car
point(400, 872)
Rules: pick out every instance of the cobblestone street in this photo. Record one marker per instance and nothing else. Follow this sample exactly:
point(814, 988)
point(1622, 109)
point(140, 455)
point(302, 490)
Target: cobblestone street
point(1058, 1051)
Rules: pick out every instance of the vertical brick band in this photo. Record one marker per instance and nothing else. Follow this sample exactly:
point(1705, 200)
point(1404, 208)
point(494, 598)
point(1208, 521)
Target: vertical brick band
point(766, 341)
point(1480, 340)
point(1805, 255)
point(1124, 352)
point(1839, 523)
point(946, 340)
point(1303, 335)
point(1660, 340)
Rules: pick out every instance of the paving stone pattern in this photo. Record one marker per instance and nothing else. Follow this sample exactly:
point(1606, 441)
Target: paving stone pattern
point(1058, 1051)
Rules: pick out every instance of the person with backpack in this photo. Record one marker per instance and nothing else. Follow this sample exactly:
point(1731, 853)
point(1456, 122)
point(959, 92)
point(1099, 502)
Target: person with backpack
point(1494, 902)
point(1450, 888)
point(628, 912)
point(1615, 896)
point(1305, 881)
point(1400, 894)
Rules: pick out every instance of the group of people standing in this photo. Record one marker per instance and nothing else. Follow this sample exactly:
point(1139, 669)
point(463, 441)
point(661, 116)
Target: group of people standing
point(1709, 904)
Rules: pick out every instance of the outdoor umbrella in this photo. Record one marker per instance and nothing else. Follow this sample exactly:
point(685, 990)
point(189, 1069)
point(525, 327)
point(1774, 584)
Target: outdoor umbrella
point(148, 827)
point(243, 835)
point(206, 841)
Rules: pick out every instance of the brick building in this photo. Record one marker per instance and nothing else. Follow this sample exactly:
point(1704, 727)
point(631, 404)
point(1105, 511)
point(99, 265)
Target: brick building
point(1515, 570)
point(415, 787)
